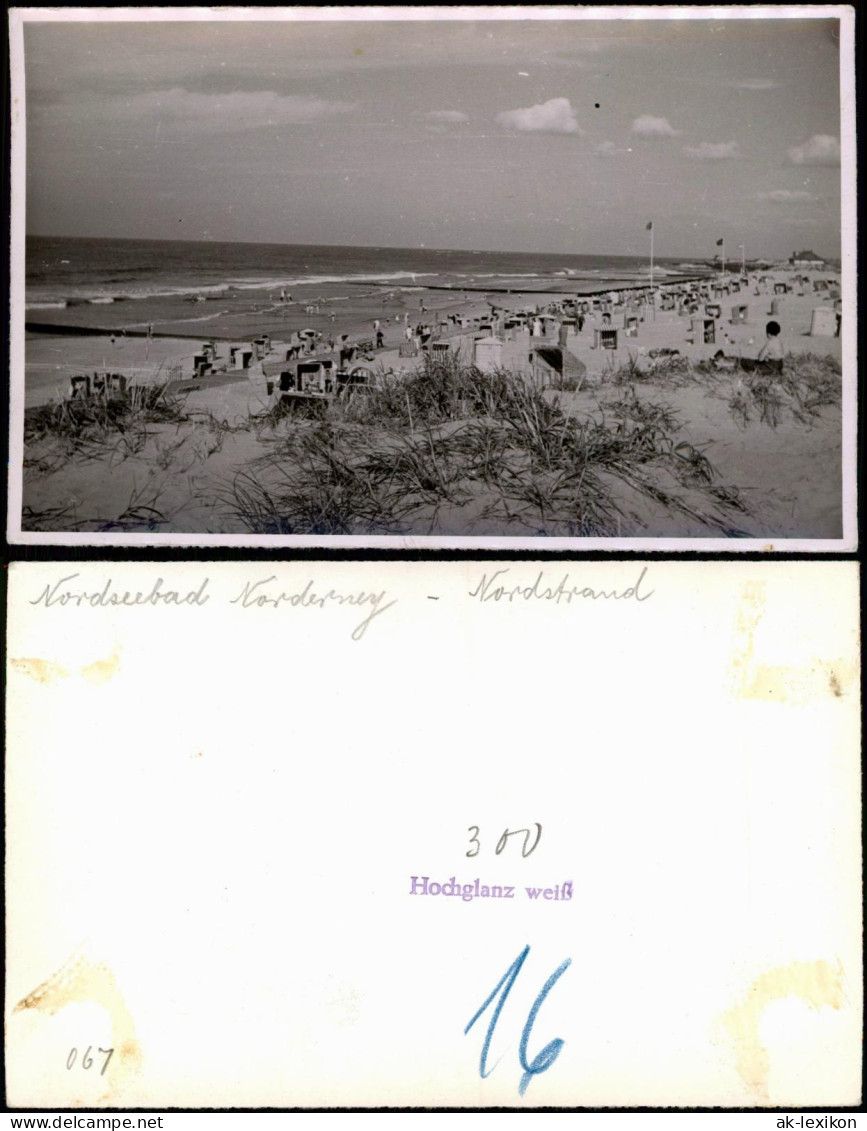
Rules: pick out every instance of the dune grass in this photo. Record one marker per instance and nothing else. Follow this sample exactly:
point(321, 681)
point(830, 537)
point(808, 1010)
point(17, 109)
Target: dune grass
point(106, 431)
point(807, 384)
point(444, 449)
point(99, 427)
point(511, 455)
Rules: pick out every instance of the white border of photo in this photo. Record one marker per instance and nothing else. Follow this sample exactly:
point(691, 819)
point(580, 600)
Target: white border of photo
point(846, 543)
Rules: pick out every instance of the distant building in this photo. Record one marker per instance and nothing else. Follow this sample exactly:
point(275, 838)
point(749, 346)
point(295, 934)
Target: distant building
point(806, 259)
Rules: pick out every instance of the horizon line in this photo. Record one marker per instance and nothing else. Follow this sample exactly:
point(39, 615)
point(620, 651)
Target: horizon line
point(396, 247)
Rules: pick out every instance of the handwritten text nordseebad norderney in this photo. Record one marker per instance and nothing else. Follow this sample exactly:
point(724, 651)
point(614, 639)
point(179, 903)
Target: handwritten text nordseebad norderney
point(254, 595)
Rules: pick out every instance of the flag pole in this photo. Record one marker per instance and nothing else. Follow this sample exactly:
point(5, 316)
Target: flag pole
point(724, 255)
point(651, 255)
point(743, 260)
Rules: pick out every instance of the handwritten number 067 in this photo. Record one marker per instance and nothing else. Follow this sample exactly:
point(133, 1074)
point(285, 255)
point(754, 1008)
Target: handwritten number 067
point(543, 1060)
point(87, 1059)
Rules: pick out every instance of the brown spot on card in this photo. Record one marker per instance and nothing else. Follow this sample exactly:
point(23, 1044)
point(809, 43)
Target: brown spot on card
point(777, 683)
point(81, 980)
point(817, 984)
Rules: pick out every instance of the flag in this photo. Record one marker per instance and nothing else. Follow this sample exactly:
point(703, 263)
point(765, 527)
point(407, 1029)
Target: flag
point(719, 243)
point(649, 227)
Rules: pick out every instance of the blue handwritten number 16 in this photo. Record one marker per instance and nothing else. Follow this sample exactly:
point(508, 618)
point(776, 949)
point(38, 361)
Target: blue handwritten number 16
point(549, 1053)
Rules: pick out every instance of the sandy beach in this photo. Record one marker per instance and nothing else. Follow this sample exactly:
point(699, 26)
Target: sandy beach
point(779, 462)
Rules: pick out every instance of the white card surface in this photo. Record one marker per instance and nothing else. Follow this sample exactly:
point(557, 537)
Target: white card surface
point(249, 843)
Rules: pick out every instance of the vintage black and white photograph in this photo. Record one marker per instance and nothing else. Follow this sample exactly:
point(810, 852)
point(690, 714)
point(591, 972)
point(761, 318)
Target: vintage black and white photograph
point(434, 277)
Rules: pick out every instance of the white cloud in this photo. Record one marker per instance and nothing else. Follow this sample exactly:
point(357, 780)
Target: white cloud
point(219, 113)
point(786, 196)
point(649, 126)
point(754, 84)
point(713, 151)
point(820, 149)
point(554, 117)
point(609, 149)
point(446, 116)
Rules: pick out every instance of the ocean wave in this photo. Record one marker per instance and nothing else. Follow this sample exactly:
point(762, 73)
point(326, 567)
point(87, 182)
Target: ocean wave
point(182, 321)
point(242, 283)
point(248, 284)
point(507, 275)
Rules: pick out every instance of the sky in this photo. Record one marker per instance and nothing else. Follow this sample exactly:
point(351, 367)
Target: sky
point(515, 135)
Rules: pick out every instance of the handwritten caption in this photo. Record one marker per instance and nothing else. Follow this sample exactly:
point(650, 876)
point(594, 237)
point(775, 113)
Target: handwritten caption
point(269, 593)
point(497, 588)
point(259, 594)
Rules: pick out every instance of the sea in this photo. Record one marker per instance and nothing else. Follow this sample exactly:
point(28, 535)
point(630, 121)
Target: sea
point(237, 291)
point(65, 271)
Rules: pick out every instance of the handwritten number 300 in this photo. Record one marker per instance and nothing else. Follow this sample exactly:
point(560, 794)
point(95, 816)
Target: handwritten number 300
point(543, 1060)
point(526, 850)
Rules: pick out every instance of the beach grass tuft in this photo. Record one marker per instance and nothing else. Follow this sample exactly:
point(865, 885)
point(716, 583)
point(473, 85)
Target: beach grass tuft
point(807, 384)
point(497, 446)
point(100, 426)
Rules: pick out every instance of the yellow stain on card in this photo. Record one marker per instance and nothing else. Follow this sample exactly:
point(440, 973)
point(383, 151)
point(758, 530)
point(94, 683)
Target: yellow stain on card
point(49, 671)
point(817, 984)
point(775, 683)
point(87, 982)
point(799, 685)
point(43, 671)
point(101, 671)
